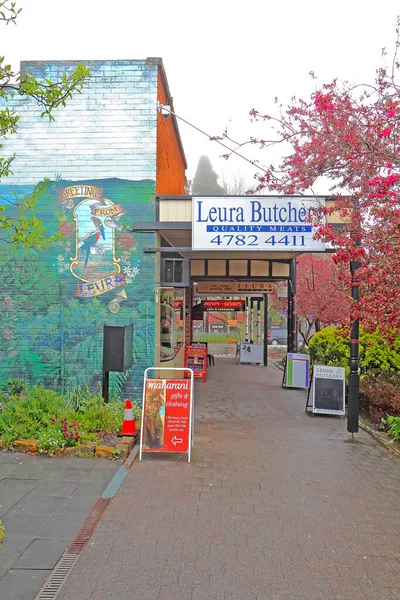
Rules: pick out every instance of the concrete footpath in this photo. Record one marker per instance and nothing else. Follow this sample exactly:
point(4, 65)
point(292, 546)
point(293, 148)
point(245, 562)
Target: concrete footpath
point(276, 505)
point(43, 502)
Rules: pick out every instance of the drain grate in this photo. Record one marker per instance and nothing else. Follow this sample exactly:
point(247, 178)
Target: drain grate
point(54, 583)
point(87, 527)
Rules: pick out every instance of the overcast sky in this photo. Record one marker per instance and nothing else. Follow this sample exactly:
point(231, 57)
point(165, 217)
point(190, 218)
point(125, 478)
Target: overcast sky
point(222, 57)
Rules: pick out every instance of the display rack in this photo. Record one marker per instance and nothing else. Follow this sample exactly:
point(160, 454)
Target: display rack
point(196, 359)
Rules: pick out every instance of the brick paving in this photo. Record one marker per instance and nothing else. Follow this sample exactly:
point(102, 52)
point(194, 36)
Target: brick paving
point(276, 505)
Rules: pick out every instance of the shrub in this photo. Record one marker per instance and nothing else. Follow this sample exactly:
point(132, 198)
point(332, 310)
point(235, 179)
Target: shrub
point(380, 395)
point(57, 421)
point(331, 347)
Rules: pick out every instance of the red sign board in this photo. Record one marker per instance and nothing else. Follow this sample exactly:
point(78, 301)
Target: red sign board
point(166, 415)
point(223, 304)
point(196, 359)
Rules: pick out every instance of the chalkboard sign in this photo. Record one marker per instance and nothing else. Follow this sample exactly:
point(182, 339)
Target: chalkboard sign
point(328, 390)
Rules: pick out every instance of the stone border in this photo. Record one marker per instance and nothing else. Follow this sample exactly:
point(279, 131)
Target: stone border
point(123, 448)
point(381, 437)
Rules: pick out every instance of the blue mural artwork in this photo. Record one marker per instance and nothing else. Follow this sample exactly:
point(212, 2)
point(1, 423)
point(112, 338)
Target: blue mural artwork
point(56, 302)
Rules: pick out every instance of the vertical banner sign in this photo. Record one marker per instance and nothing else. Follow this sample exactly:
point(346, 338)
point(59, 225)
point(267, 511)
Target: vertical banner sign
point(166, 415)
point(256, 223)
point(297, 370)
point(328, 390)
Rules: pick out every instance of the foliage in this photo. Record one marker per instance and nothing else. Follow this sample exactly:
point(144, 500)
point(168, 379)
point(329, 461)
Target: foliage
point(24, 416)
point(331, 347)
point(218, 338)
point(205, 181)
point(15, 386)
point(137, 410)
point(393, 426)
point(380, 395)
point(18, 221)
point(349, 136)
point(58, 421)
point(50, 440)
point(321, 296)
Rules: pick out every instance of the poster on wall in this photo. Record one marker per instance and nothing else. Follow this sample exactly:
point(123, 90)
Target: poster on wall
point(280, 224)
point(166, 416)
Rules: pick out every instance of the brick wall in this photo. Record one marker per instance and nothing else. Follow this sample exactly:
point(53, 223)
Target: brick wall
point(100, 157)
point(171, 162)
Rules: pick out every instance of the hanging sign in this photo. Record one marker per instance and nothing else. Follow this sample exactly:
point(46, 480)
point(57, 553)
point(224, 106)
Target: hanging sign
point(280, 224)
point(297, 370)
point(166, 415)
point(219, 305)
point(328, 390)
point(236, 287)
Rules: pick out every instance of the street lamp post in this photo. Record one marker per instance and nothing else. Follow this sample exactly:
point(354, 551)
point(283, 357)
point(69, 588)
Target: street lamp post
point(354, 376)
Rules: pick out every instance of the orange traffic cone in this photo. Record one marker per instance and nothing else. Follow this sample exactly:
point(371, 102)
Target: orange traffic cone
point(128, 425)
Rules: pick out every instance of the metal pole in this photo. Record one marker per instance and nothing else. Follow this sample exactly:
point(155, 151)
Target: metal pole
point(289, 318)
point(293, 315)
point(265, 330)
point(246, 339)
point(353, 407)
point(251, 320)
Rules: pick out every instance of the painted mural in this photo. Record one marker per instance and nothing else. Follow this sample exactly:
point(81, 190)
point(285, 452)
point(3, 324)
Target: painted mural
point(56, 302)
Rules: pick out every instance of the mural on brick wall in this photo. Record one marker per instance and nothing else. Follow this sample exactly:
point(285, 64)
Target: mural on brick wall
point(56, 302)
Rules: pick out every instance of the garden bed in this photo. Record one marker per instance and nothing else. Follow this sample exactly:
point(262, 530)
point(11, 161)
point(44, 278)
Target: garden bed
point(37, 420)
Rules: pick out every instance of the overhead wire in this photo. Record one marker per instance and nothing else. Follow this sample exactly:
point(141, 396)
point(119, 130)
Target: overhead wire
point(213, 139)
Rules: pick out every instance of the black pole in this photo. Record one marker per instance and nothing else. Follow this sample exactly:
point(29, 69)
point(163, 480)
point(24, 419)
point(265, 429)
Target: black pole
point(106, 386)
point(289, 317)
point(293, 314)
point(353, 407)
point(265, 330)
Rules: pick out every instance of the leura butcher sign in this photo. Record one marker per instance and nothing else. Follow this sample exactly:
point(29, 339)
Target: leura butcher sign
point(255, 223)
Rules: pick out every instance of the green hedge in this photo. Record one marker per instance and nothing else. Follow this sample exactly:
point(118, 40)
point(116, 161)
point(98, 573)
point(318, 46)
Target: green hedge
point(331, 347)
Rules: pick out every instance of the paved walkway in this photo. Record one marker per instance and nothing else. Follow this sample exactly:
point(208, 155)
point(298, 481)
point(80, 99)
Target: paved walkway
point(276, 505)
point(43, 503)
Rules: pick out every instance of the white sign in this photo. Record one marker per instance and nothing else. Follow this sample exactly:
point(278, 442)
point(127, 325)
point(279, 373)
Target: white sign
point(251, 353)
point(328, 390)
point(255, 223)
point(298, 370)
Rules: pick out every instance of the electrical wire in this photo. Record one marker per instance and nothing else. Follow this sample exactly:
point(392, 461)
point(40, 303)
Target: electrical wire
point(211, 138)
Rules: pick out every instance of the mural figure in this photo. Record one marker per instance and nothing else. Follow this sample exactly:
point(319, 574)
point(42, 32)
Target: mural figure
point(90, 239)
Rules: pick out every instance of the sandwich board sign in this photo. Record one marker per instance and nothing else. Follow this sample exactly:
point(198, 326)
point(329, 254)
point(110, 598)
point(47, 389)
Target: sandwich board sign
point(251, 354)
point(167, 414)
point(328, 390)
point(297, 371)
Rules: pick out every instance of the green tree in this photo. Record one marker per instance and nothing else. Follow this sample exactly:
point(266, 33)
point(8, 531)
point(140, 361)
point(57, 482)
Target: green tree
point(205, 181)
point(18, 221)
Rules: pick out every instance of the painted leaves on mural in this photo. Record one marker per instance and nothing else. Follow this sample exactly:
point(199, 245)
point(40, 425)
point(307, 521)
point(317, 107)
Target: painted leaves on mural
point(94, 261)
